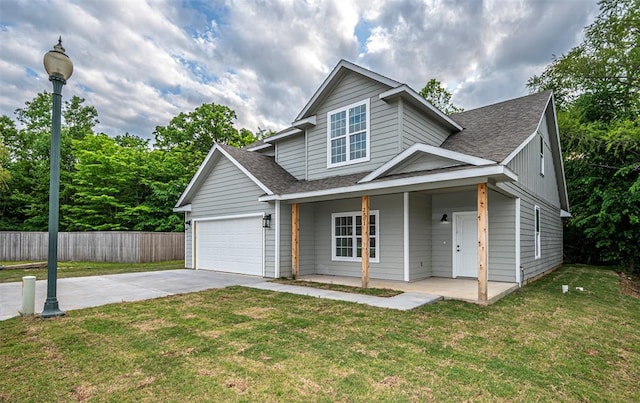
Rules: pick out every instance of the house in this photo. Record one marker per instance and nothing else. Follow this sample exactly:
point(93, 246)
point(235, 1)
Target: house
point(369, 165)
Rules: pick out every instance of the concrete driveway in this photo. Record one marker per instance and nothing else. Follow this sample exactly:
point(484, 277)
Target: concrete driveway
point(85, 292)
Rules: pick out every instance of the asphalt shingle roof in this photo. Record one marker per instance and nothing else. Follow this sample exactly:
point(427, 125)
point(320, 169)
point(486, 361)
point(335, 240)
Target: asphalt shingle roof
point(490, 132)
point(264, 168)
point(494, 131)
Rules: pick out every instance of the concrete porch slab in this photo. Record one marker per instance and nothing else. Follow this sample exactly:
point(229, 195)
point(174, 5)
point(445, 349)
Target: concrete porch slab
point(449, 288)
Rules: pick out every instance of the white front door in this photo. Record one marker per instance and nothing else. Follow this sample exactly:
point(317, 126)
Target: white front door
point(465, 247)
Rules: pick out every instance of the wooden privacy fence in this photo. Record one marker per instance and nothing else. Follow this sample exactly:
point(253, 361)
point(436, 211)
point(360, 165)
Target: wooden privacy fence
point(111, 246)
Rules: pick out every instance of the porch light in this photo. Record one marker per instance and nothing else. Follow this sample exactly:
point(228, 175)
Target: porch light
point(266, 221)
point(444, 220)
point(187, 224)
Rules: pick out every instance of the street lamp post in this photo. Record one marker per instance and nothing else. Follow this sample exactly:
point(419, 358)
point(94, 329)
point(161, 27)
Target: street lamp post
point(59, 67)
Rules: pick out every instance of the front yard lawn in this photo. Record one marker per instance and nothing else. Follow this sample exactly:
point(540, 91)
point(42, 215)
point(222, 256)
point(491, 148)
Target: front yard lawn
point(240, 344)
point(81, 269)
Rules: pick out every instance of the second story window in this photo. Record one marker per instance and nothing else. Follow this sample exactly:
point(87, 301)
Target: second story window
point(348, 134)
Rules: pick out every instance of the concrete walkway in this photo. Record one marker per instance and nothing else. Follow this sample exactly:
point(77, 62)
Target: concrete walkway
point(403, 302)
point(85, 292)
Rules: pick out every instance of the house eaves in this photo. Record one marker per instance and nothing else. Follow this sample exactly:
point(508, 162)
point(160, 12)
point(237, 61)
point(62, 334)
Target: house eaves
point(259, 147)
point(216, 152)
point(554, 138)
point(334, 76)
point(408, 94)
point(427, 149)
point(288, 132)
point(429, 180)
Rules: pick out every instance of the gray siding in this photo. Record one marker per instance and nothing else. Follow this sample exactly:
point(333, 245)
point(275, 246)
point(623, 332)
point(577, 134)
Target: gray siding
point(390, 238)
point(227, 191)
point(290, 155)
point(550, 233)
point(527, 165)
point(383, 131)
point(502, 240)
point(502, 262)
point(420, 224)
point(419, 129)
point(423, 162)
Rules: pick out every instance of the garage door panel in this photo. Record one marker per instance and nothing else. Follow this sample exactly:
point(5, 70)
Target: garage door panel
point(233, 245)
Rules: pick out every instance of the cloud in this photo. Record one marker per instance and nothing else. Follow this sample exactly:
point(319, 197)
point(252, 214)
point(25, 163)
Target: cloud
point(142, 62)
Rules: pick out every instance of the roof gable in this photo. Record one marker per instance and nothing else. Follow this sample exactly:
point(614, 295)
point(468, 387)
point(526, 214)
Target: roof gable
point(421, 157)
point(333, 78)
point(261, 169)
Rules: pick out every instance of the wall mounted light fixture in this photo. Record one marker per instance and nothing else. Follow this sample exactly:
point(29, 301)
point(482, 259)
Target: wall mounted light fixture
point(444, 220)
point(266, 221)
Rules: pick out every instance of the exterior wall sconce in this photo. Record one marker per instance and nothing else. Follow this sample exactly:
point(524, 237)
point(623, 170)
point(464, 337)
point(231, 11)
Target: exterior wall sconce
point(266, 221)
point(444, 220)
point(187, 224)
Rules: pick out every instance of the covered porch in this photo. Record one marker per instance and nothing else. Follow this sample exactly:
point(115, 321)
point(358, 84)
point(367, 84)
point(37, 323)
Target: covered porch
point(449, 288)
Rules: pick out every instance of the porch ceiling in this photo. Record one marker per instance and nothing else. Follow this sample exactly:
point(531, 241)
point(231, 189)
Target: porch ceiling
point(449, 288)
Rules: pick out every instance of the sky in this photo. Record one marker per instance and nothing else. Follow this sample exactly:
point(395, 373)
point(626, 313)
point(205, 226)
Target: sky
point(142, 62)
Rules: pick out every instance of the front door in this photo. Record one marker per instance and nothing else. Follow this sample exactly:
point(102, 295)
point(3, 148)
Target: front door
point(465, 247)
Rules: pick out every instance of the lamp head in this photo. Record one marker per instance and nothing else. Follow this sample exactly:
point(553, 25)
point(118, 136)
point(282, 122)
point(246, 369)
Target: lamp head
point(57, 63)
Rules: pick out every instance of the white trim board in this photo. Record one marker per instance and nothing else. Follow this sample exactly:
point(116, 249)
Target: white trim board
point(284, 133)
point(411, 95)
point(228, 217)
point(427, 149)
point(405, 234)
point(276, 254)
point(475, 173)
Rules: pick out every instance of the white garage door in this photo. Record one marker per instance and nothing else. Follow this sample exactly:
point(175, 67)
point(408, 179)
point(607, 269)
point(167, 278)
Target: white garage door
point(233, 245)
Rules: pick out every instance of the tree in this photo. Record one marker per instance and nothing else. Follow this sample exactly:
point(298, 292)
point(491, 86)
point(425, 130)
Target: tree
point(25, 204)
point(596, 85)
point(4, 167)
point(438, 96)
point(199, 130)
point(602, 74)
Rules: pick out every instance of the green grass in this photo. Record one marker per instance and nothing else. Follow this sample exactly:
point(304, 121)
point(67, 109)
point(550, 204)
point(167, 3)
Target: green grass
point(81, 269)
point(377, 292)
point(240, 344)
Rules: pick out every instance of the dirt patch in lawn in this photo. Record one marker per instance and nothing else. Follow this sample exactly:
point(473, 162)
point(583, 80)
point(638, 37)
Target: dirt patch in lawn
point(376, 292)
point(630, 285)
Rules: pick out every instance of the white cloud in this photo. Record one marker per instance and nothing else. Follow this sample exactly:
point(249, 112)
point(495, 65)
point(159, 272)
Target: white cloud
point(142, 62)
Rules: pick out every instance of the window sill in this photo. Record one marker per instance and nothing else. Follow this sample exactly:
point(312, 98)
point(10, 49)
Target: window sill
point(353, 259)
point(351, 162)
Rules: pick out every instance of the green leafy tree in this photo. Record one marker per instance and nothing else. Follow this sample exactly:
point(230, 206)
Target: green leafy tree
point(438, 96)
point(596, 85)
point(25, 205)
point(601, 75)
point(197, 131)
point(105, 184)
point(4, 167)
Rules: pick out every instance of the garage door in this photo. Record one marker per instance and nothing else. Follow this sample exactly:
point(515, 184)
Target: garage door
point(233, 245)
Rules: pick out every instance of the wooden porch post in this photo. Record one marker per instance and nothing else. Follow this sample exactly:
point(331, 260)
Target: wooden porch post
point(483, 243)
point(365, 241)
point(295, 239)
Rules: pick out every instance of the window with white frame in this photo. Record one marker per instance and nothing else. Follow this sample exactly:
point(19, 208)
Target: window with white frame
point(541, 155)
point(346, 236)
point(348, 134)
point(537, 233)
